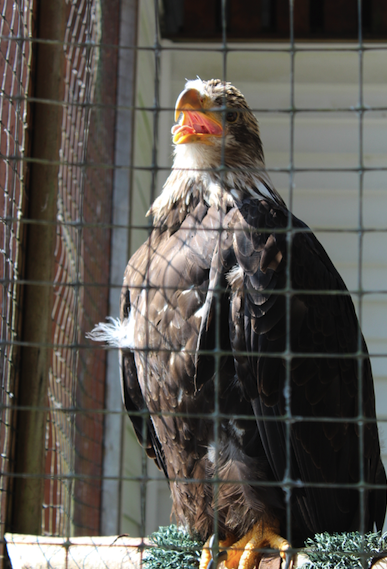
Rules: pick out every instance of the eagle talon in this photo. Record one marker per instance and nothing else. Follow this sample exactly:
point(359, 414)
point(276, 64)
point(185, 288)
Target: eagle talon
point(287, 557)
point(216, 558)
point(211, 556)
point(214, 562)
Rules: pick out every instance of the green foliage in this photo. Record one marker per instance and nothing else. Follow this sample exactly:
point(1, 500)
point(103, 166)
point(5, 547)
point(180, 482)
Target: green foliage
point(176, 549)
point(343, 550)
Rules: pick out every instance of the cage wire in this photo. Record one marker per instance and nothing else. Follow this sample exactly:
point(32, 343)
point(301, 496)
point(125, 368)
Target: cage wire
point(15, 65)
point(76, 380)
point(72, 265)
point(76, 397)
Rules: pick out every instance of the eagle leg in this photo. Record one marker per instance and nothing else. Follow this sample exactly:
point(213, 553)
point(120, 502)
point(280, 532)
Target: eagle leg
point(245, 554)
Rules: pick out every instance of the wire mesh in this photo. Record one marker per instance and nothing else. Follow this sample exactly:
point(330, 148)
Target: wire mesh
point(73, 441)
point(15, 61)
point(65, 434)
point(292, 166)
point(73, 476)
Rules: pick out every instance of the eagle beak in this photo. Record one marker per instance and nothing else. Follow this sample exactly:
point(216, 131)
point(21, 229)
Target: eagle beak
point(197, 124)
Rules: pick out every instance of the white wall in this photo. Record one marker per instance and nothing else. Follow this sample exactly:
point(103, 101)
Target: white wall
point(144, 507)
point(324, 200)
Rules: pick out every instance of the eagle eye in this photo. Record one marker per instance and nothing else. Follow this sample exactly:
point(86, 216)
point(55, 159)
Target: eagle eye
point(231, 116)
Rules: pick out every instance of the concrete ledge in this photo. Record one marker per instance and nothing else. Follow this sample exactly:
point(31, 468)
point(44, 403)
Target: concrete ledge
point(40, 552)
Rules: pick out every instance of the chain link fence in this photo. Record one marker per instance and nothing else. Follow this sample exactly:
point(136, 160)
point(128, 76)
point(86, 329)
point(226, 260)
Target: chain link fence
point(15, 64)
point(95, 478)
point(73, 440)
point(75, 261)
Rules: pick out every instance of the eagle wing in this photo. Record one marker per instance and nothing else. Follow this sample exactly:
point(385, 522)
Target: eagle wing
point(294, 303)
point(165, 302)
point(290, 326)
point(133, 398)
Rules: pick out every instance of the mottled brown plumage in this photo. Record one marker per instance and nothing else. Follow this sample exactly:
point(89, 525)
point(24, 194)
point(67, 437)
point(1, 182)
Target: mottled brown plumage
point(205, 316)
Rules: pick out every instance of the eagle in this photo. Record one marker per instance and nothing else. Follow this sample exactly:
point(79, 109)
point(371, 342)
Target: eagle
point(243, 367)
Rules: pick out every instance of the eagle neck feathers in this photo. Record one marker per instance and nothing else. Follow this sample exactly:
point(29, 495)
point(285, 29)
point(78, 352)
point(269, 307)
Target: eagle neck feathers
point(185, 187)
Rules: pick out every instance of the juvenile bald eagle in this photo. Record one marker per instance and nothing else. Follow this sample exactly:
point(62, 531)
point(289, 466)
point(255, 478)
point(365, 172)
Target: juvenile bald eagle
point(246, 363)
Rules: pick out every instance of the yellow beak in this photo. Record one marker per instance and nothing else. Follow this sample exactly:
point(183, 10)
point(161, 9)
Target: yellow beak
point(196, 124)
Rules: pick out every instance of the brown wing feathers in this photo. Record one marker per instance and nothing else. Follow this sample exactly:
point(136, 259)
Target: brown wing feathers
point(320, 387)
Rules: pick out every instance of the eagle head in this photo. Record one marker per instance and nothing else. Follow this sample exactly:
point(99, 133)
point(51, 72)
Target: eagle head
point(215, 127)
point(218, 154)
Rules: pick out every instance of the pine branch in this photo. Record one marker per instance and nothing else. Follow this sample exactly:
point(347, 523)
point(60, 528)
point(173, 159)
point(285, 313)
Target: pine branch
point(343, 550)
point(175, 549)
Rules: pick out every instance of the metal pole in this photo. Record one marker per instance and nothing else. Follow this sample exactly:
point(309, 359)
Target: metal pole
point(120, 253)
point(41, 193)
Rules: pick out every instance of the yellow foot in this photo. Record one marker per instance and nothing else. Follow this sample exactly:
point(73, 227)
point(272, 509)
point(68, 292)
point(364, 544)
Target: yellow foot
point(246, 554)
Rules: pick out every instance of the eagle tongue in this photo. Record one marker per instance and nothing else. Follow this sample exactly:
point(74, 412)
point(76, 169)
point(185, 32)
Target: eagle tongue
point(187, 129)
point(194, 123)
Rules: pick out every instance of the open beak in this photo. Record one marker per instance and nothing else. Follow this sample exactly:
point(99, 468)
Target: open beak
point(196, 123)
